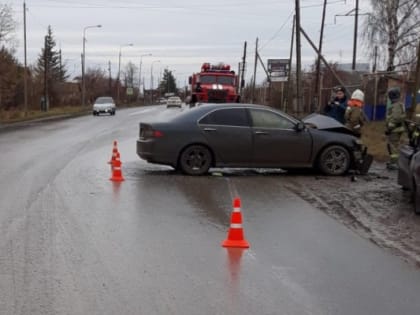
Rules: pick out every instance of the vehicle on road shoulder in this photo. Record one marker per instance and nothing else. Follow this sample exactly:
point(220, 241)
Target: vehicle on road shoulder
point(104, 105)
point(249, 136)
point(409, 164)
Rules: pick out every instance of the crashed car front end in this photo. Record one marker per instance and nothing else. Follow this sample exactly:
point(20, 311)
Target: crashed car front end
point(361, 160)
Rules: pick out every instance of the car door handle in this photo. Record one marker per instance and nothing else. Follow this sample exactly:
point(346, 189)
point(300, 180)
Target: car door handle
point(261, 132)
point(210, 129)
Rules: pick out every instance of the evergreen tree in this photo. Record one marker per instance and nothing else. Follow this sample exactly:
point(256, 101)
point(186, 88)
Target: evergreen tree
point(51, 59)
point(50, 71)
point(168, 83)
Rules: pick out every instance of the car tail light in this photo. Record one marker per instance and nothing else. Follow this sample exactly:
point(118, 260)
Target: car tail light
point(157, 134)
point(147, 132)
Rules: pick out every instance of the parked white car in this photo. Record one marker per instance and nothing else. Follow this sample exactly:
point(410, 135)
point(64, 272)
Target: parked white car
point(104, 104)
point(174, 101)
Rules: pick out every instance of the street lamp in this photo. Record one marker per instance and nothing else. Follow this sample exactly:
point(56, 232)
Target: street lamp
point(151, 79)
point(83, 60)
point(119, 69)
point(141, 56)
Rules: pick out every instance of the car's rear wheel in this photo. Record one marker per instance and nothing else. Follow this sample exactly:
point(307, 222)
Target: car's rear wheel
point(195, 160)
point(334, 160)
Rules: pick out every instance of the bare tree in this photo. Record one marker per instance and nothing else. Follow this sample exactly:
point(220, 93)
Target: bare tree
point(394, 26)
point(129, 75)
point(7, 24)
point(96, 83)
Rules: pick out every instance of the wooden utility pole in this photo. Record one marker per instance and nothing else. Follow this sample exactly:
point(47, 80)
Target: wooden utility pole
point(289, 78)
point(416, 85)
point(242, 77)
point(268, 79)
point(298, 58)
point(46, 105)
point(110, 78)
point(323, 60)
point(356, 22)
point(375, 96)
point(255, 72)
point(25, 70)
point(318, 61)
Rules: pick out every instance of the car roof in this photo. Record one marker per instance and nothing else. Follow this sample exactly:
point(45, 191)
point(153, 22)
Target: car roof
point(204, 108)
point(105, 98)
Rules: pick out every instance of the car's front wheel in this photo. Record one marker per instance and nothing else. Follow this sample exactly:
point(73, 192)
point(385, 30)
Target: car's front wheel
point(334, 160)
point(195, 160)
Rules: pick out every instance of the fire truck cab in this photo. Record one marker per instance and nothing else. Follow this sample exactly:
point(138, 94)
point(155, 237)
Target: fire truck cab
point(214, 84)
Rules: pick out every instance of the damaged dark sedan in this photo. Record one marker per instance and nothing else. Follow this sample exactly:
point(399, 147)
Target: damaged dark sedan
point(250, 136)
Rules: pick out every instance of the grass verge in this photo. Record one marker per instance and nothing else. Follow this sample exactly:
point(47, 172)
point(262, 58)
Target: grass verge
point(16, 115)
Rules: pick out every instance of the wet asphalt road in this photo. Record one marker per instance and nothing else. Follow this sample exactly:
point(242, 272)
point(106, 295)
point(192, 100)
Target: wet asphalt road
point(72, 242)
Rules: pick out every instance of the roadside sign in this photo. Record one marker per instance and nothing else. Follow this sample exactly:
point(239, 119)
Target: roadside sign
point(129, 91)
point(278, 69)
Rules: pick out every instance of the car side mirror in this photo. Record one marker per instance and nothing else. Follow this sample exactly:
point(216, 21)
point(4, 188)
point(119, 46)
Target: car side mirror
point(300, 126)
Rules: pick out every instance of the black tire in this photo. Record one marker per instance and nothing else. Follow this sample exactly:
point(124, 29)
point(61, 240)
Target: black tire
point(416, 198)
point(334, 160)
point(195, 160)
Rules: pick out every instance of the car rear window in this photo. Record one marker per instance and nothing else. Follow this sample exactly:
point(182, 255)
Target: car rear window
point(226, 117)
point(104, 100)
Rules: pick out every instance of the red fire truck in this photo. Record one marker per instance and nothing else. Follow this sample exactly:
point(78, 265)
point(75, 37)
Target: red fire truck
point(214, 84)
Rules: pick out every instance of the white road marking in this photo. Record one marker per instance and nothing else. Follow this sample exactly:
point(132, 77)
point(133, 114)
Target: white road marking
point(146, 110)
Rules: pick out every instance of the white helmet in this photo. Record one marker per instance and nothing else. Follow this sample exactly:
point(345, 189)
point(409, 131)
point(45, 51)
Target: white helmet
point(358, 95)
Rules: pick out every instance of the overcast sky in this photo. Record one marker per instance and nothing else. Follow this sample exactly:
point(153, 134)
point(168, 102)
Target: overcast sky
point(182, 34)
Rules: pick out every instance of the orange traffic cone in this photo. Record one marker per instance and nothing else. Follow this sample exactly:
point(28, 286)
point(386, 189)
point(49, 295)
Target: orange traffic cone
point(116, 170)
point(114, 153)
point(235, 236)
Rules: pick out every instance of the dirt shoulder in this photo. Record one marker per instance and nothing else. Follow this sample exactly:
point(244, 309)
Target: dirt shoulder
point(374, 206)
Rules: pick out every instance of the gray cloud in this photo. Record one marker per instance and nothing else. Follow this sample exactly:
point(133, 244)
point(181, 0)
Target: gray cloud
point(182, 34)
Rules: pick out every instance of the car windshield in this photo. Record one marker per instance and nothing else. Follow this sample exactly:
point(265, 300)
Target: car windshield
point(225, 80)
point(104, 100)
point(207, 79)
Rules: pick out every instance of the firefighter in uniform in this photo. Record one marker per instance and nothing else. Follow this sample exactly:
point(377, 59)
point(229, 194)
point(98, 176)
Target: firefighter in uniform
point(395, 116)
point(354, 116)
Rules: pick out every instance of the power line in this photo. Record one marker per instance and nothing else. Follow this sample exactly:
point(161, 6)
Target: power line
point(278, 31)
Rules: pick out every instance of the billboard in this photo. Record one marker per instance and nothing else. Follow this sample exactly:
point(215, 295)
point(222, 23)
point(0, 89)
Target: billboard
point(278, 69)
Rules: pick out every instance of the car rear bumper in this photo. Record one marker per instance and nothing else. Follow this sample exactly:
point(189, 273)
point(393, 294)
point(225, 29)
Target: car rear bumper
point(146, 150)
point(103, 110)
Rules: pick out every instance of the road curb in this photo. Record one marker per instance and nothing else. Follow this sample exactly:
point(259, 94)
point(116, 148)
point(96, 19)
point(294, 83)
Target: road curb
point(27, 123)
